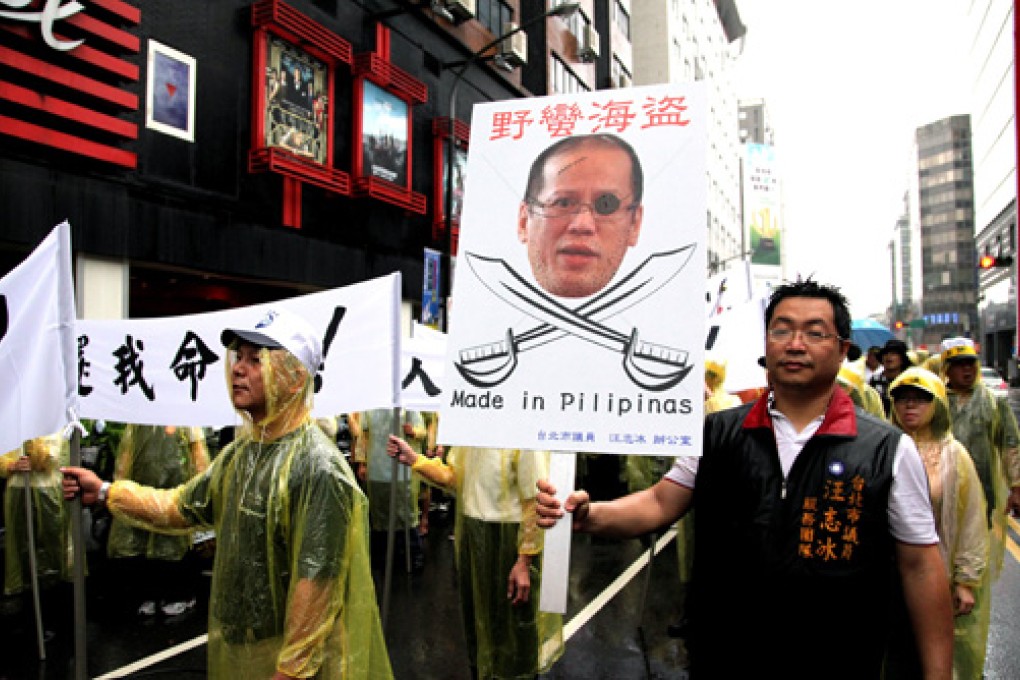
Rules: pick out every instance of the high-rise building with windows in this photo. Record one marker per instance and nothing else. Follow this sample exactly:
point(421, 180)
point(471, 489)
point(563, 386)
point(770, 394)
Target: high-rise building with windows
point(945, 188)
point(699, 40)
point(902, 265)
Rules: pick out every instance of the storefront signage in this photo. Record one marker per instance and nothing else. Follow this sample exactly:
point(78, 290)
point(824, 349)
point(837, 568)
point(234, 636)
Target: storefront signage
point(52, 12)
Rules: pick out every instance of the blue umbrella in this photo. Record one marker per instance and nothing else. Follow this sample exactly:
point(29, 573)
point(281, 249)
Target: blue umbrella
point(867, 333)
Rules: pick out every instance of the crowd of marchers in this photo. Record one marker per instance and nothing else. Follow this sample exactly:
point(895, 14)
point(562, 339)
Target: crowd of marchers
point(846, 520)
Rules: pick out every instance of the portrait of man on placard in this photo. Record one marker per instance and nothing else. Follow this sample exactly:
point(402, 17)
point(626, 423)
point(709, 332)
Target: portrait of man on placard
point(581, 212)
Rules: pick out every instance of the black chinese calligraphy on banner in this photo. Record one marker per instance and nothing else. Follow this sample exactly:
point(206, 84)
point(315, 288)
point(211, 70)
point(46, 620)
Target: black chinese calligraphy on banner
point(172, 370)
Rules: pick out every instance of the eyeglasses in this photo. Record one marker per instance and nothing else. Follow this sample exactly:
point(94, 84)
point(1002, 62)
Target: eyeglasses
point(810, 336)
point(606, 204)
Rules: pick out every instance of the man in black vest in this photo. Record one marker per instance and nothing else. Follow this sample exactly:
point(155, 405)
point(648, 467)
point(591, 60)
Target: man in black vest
point(808, 512)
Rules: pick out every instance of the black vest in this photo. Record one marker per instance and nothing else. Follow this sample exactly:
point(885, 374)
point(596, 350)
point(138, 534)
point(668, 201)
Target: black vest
point(792, 579)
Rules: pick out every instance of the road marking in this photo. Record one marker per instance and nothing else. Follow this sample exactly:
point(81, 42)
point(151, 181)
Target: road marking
point(586, 614)
point(1011, 544)
point(1013, 549)
point(158, 657)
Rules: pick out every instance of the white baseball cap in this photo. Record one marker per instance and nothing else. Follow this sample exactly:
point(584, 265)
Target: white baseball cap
point(279, 329)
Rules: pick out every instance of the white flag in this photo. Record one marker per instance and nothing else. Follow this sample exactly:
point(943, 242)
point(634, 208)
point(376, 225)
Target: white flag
point(422, 367)
point(38, 366)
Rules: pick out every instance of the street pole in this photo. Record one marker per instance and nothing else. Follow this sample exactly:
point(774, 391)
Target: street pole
point(561, 10)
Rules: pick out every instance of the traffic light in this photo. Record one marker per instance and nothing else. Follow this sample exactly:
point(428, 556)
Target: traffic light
point(898, 325)
point(992, 261)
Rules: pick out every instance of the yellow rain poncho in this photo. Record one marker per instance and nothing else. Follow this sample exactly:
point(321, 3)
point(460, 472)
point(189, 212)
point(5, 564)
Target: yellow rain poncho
point(375, 429)
point(641, 472)
point(862, 394)
point(161, 457)
point(292, 588)
point(959, 506)
point(986, 426)
point(715, 379)
point(496, 522)
point(50, 519)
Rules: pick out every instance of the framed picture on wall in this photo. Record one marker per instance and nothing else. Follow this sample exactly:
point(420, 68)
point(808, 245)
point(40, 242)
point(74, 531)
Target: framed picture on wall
point(441, 130)
point(384, 134)
point(296, 101)
point(384, 97)
point(170, 92)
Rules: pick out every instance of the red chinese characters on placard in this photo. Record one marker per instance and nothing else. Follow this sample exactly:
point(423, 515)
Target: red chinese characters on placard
point(612, 116)
point(510, 124)
point(560, 119)
point(665, 111)
point(565, 118)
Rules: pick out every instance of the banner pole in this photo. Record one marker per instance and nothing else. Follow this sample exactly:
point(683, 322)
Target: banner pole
point(391, 530)
point(556, 552)
point(32, 566)
point(78, 547)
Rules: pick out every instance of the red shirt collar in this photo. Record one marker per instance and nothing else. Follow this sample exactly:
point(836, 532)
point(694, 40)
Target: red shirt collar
point(840, 417)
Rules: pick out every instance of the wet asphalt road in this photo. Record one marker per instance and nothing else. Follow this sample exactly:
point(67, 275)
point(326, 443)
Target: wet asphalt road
point(622, 640)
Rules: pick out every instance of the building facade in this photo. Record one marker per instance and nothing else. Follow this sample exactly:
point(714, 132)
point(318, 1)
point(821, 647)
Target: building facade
point(212, 155)
point(903, 310)
point(991, 68)
point(690, 41)
point(946, 218)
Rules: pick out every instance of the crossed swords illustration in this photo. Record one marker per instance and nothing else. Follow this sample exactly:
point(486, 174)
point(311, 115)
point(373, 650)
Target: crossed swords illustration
point(652, 367)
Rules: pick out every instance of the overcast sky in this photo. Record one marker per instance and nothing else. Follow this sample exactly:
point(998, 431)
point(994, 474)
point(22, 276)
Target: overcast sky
point(846, 84)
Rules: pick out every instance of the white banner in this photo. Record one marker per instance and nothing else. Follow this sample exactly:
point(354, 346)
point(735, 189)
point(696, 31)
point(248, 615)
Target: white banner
point(579, 322)
point(37, 356)
point(170, 371)
point(737, 335)
point(422, 368)
point(733, 286)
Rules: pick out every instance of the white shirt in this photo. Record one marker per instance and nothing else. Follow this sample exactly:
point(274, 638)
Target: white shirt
point(910, 515)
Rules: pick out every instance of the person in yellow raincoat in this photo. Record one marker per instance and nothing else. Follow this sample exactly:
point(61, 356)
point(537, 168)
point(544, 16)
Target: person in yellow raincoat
point(35, 469)
point(162, 457)
point(921, 409)
point(861, 393)
point(986, 426)
point(498, 543)
point(292, 592)
point(375, 469)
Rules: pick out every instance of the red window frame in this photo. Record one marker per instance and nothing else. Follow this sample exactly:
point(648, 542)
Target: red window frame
point(375, 67)
point(276, 18)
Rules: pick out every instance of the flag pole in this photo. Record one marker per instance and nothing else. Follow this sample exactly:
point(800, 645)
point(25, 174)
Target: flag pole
point(78, 548)
point(32, 566)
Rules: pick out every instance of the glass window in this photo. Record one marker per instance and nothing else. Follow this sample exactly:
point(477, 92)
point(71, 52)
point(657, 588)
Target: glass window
point(563, 79)
point(494, 15)
point(621, 18)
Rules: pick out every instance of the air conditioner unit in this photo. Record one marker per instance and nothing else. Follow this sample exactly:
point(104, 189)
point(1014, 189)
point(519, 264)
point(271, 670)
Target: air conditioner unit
point(588, 49)
point(514, 49)
point(460, 10)
point(622, 81)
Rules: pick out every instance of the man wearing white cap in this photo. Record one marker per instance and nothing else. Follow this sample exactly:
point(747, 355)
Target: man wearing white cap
point(292, 592)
